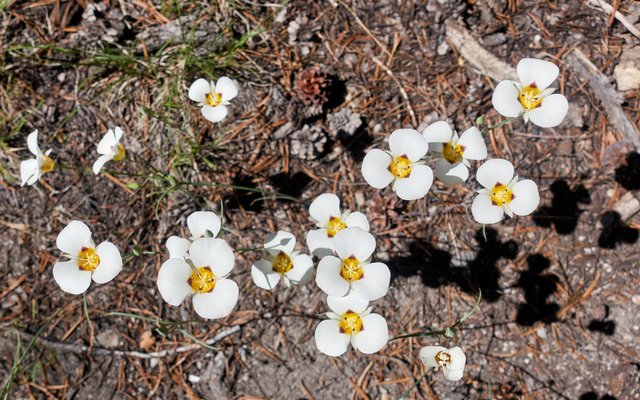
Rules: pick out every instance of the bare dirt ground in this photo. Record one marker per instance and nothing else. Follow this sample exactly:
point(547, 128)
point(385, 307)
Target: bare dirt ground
point(561, 312)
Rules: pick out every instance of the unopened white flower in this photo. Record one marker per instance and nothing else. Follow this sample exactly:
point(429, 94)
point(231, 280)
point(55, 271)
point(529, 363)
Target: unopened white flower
point(32, 169)
point(451, 360)
point(202, 273)
point(109, 149)
point(201, 224)
point(352, 271)
point(283, 262)
point(401, 166)
point(531, 97)
point(213, 98)
point(351, 321)
point(502, 193)
point(86, 260)
point(325, 211)
point(454, 153)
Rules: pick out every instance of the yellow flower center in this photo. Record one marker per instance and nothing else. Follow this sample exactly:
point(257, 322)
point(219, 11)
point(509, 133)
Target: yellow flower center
point(202, 280)
point(88, 260)
point(351, 269)
point(47, 164)
point(443, 358)
point(120, 154)
point(350, 323)
point(453, 154)
point(501, 195)
point(400, 167)
point(530, 97)
point(281, 263)
point(334, 226)
point(213, 99)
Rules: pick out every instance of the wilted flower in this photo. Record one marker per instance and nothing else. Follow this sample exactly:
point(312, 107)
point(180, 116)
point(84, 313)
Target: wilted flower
point(32, 169)
point(213, 98)
point(454, 153)
point(531, 97)
point(201, 224)
point(502, 193)
point(202, 273)
point(86, 260)
point(352, 271)
point(350, 321)
point(109, 149)
point(451, 360)
point(400, 166)
point(283, 262)
point(325, 210)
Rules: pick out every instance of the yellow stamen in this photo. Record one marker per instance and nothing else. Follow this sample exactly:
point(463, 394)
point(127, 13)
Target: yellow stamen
point(213, 99)
point(453, 154)
point(202, 280)
point(501, 195)
point(120, 154)
point(88, 260)
point(530, 97)
point(400, 167)
point(350, 323)
point(443, 359)
point(334, 226)
point(351, 269)
point(282, 263)
point(47, 165)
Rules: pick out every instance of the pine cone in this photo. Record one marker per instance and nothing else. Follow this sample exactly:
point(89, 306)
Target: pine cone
point(312, 86)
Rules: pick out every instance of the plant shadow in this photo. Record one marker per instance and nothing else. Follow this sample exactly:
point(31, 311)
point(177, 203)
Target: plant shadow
point(628, 174)
point(615, 231)
point(563, 213)
point(538, 286)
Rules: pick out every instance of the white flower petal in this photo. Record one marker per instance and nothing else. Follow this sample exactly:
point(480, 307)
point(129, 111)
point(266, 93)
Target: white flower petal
point(74, 237)
point(357, 220)
point(319, 242)
point(32, 143)
point(374, 283)
point(484, 211)
point(551, 112)
point(173, 281)
point(199, 89)
point(71, 278)
point(328, 277)
point(105, 145)
point(458, 359)
point(118, 133)
point(505, 99)
point(438, 132)
point(218, 303)
point(200, 222)
point(416, 185)
point(351, 302)
point(495, 171)
point(178, 247)
point(473, 145)
point(374, 334)
point(214, 114)
point(428, 355)
point(453, 374)
point(263, 275)
point(325, 207)
point(227, 88)
point(375, 169)
point(280, 241)
point(100, 162)
point(110, 263)
point(29, 171)
point(354, 242)
point(302, 270)
point(451, 174)
point(540, 72)
point(214, 253)
point(525, 197)
point(329, 340)
point(409, 143)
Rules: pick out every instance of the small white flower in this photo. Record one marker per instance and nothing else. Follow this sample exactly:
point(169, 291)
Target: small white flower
point(201, 224)
point(352, 271)
point(454, 153)
point(451, 360)
point(86, 260)
point(502, 193)
point(325, 211)
point(400, 166)
point(202, 273)
point(283, 262)
point(109, 149)
point(32, 169)
point(213, 98)
point(531, 97)
point(350, 321)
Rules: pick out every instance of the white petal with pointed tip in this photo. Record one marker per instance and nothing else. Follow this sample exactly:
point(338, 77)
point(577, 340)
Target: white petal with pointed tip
point(178, 247)
point(227, 88)
point(354, 242)
point(473, 144)
point(199, 89)
point(451, 174)
point(438, 132)
point(70, 277)
point(29, 171)
point(110, 263)
point(416, 185)
point(319, 242)
point(302, 270)
point(551, 112)
point(218, 303)
point(173, 280)
point(201, 221)
point(505, 99)
point(214, 114)
point(409, 143)
point(74, 237)
point(526, 197)
point(328, 277)
point(374, 334)
point(105, 145)
point(32, 143)
point(325, 207)
point(428, 355)
point(329, 340)
point(375, 169)
point(540, 72)
point(100, 162)
point(484, 211)
point(281, 241)
point(263, 275)
point(495, 171)
point(351, 302)
point(374, 283)
point(358, 220)
point(214, 253)
point(458, 359)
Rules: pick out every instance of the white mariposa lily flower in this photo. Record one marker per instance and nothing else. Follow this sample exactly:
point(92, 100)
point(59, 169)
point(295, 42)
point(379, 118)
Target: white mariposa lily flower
point(109, 149)
point(451, 360)
point(201, 224)
point(87, 261)
point(283, 262)
point(213, 98)
point(325, 211)
point(531, 97)
point(202, 273)
point(454, 153)
point(352, 271)
point(350, 321)
point(502, 193)
point(31, 170)
point(401, 166)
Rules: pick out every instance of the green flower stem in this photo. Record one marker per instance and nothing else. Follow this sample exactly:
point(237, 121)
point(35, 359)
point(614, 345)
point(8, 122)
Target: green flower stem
point(505, 122)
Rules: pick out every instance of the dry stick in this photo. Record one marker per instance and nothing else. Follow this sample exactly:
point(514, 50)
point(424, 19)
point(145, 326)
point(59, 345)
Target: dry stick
point(606, 7)
point(414, 121)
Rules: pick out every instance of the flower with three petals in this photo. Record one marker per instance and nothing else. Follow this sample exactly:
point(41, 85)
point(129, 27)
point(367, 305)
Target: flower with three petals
point(282, 261)
point(213, 98)
point(451, 360)
point(31, 170)
point(109, 149)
